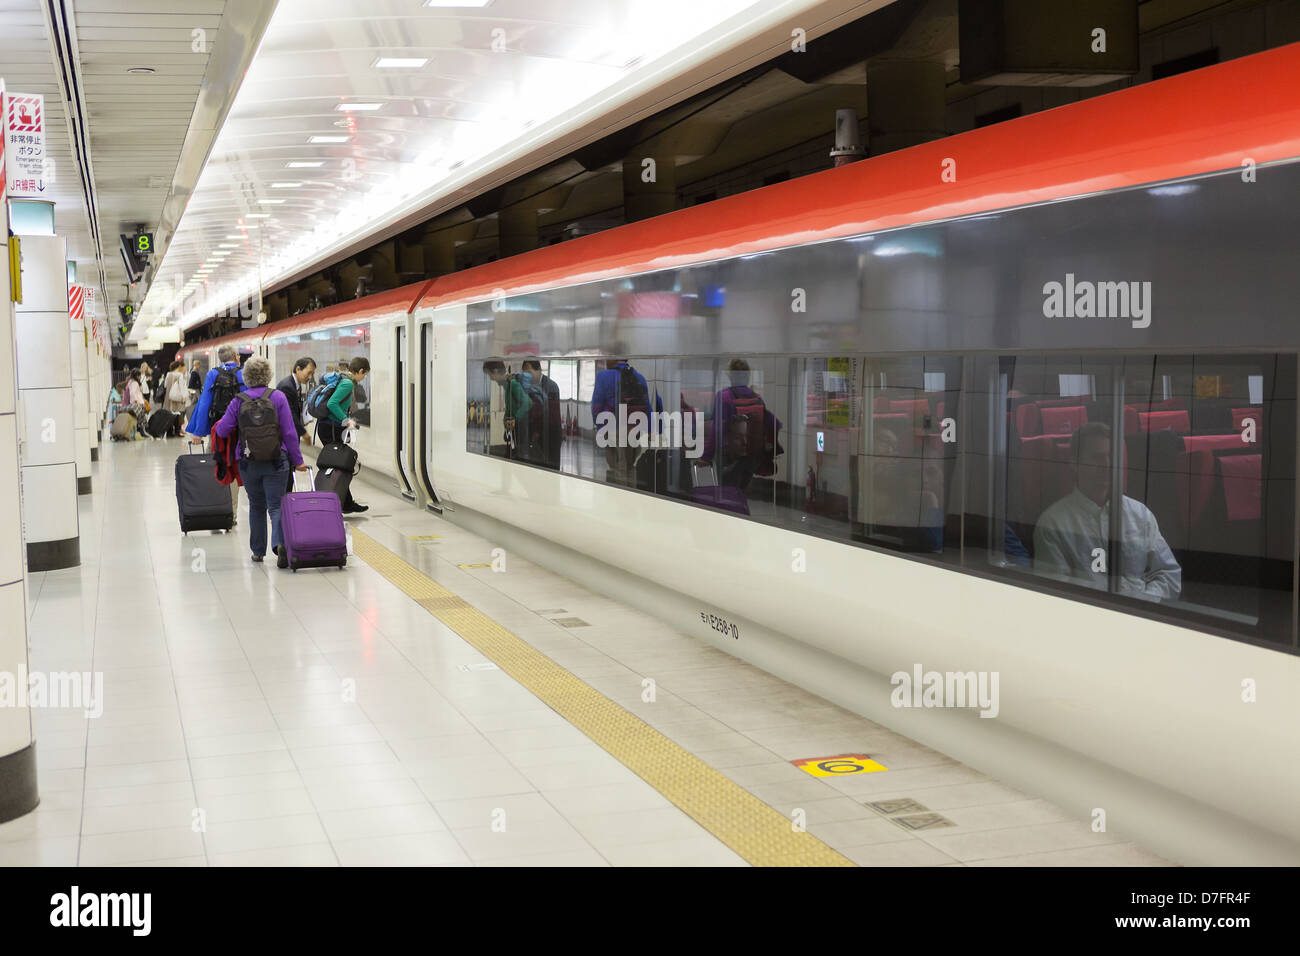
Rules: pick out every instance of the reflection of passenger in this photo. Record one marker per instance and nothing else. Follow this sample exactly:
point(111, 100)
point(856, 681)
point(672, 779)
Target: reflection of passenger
point(553, 438)
point(619, 384)
point(1071, 537)
point(906, 494)
point(516, 409)
point(742, 440)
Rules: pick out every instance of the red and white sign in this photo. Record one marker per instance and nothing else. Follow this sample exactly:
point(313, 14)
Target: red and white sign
point(27, 172)
point(76, 303)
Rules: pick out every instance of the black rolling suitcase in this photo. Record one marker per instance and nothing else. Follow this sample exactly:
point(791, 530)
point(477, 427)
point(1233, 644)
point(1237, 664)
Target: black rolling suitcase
point(336, 465)
point(203, 502)
point(160, 423)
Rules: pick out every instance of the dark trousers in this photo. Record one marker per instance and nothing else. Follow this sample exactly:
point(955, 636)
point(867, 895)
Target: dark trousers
point(330, 432)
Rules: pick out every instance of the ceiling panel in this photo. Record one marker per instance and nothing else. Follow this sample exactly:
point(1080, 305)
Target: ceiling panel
point(499, 84)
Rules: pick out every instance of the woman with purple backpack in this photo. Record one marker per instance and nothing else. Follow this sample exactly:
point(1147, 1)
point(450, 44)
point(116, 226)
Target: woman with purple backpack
point(267, 438)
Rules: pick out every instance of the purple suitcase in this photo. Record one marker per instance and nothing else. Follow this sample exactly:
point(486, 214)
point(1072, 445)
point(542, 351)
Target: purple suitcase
point(312, 525)
point(722, 496)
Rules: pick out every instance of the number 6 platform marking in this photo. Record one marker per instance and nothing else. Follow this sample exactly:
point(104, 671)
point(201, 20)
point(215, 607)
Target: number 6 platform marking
point(838, 766)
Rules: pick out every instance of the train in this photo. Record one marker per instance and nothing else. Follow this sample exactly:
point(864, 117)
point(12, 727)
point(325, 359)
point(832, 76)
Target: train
point(948, 363)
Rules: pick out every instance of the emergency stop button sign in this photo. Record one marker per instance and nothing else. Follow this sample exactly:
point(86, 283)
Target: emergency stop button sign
point(838, 766)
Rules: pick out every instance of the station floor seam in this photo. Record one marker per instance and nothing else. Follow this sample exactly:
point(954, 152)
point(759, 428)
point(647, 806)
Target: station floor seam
point(751, 828)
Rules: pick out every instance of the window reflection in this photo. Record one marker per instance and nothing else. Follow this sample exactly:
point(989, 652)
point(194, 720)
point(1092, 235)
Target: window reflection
point(1199, 451)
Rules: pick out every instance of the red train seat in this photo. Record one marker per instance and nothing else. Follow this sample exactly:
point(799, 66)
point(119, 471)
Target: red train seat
point(1242, 487)
point(1177, 421)
point(1240, 414)
point(1063, 420)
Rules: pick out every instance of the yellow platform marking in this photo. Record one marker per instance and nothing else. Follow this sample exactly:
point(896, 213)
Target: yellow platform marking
point(838, 766)
point(751, 828)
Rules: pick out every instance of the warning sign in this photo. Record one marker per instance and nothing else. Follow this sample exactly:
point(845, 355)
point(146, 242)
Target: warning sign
point(27, 169)
point(838, 766)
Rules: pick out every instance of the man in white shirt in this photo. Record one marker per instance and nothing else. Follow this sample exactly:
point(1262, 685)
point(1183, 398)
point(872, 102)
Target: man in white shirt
point(1070, 541)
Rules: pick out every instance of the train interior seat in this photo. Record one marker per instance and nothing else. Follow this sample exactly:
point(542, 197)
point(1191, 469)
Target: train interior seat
point(1176, 420)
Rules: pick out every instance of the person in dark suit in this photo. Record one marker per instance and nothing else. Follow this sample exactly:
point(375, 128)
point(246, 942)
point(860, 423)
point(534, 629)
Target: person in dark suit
point(554, 427)
point(291, 386)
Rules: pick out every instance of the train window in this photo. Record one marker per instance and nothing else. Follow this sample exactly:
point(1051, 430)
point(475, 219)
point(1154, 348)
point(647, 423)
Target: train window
point(904, 470)
point(330, 349)
point(1199, 449)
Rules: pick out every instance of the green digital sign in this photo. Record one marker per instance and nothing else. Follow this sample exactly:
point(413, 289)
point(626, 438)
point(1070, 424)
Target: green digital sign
point(144, 243)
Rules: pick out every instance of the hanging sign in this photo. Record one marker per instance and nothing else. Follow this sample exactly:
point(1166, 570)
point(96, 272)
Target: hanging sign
point(27, 172)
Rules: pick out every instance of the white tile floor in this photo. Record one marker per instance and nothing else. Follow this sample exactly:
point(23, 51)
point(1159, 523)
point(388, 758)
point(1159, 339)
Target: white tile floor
point(226, 738)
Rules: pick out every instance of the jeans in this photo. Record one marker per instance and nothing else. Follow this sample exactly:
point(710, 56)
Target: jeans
point(264, 482)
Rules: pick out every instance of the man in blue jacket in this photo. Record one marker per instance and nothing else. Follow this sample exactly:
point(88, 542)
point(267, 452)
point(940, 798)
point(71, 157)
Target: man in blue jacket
point(205, 415)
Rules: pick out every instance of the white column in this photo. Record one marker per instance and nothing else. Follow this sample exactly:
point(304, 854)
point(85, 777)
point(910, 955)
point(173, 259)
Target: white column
point(45, 400)
point(18, 792)
point(89, 351)
point(80, 396)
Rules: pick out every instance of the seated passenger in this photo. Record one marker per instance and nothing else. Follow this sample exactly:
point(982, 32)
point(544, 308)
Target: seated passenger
point(1071, 537)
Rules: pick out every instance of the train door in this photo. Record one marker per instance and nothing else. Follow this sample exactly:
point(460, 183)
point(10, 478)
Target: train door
point(402, 416)
point(422, 399)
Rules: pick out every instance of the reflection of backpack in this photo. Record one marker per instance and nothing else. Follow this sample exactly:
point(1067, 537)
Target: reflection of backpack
point(745, 429)
point(259, 427)
point(318, 398)
point(224, 389)
point(632, 392)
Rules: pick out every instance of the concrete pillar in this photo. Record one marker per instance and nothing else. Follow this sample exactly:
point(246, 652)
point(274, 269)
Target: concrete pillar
point(45, 399)
point(906, 103)
point(18, 793)
point(649, 181)
point(80, 388)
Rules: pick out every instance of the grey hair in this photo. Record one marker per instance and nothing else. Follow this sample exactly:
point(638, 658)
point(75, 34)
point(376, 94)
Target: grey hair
point(227, 353)
point(257, 372)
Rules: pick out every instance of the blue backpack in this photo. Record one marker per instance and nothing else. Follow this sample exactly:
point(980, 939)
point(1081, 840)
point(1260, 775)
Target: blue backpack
point(320, 396)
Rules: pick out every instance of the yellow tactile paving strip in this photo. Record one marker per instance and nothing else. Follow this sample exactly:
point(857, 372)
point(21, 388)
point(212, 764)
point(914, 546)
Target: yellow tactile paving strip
point(751, 828)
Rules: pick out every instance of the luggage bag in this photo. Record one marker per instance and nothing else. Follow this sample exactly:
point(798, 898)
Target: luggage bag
point(203, 502)
point(160, 423)
point(706, 491)
point(123, 423)
point(311, 525)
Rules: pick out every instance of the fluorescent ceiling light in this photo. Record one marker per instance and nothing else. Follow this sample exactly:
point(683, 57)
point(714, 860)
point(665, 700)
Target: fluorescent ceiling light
point(269, 202)
point(257, 215)
point(353, 107)
point(235, 236)
point(457, 3)
point(327, 139)
point(400, 62)
point(285, 185)
point(229, 245)
point(304, 165)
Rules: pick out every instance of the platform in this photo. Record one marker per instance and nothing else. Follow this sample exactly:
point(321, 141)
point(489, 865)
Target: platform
point(422, 708)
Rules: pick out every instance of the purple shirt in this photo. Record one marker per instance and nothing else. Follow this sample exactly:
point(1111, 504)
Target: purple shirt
point(288, 433)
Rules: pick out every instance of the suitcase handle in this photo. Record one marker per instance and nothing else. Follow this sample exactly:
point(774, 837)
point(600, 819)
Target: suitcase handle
point(311, 481)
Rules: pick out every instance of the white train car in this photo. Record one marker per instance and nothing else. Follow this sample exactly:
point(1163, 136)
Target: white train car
point(960, 348)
